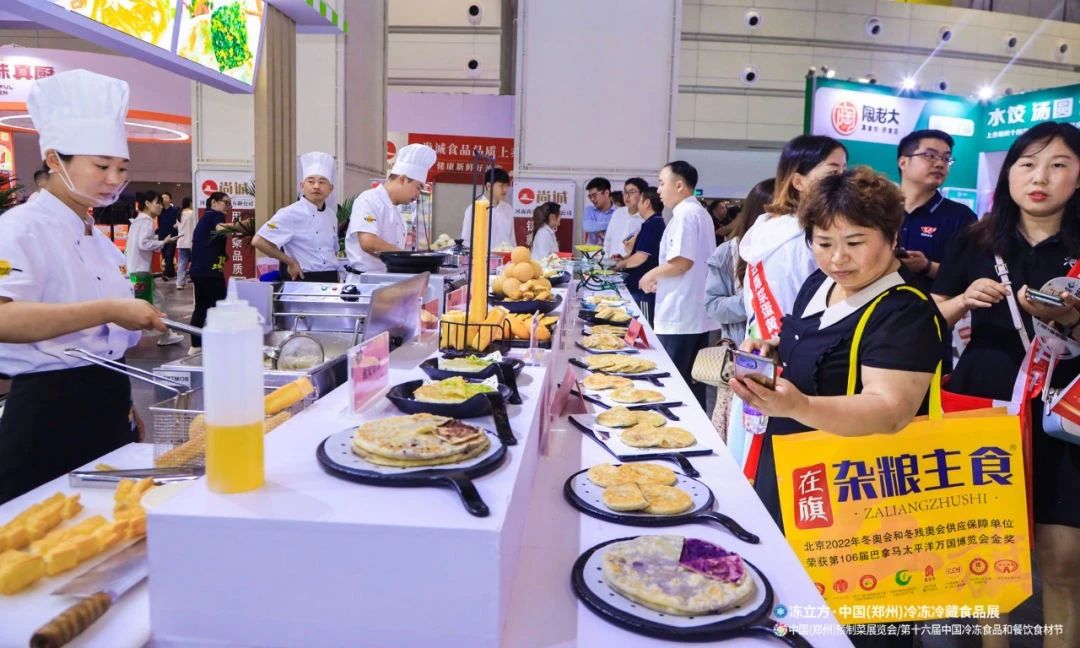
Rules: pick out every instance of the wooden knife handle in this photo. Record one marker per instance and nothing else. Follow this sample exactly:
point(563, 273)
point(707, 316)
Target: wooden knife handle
point(71, 622)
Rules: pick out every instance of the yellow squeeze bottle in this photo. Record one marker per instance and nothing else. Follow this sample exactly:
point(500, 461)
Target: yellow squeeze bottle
point(233, 397)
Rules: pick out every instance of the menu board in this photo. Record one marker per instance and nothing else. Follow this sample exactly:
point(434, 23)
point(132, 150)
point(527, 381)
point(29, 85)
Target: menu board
point(151, 21)
point(221, 35)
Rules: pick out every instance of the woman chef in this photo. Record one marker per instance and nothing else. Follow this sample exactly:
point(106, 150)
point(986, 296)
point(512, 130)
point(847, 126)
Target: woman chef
point(303, 235)
point(63, 285)
point(375, 224)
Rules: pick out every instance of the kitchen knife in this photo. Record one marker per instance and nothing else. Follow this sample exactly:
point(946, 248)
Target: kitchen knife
point(99, 588)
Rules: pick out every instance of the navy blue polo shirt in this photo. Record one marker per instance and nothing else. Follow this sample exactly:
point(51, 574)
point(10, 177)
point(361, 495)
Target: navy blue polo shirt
point(648, 241)
point(932, 226)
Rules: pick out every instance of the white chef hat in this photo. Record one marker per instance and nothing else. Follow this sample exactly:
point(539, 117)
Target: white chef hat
point(80, 113)
point(316, 163)
point(413, 162)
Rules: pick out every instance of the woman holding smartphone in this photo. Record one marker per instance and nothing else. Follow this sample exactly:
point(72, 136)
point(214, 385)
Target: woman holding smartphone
point(850, 221)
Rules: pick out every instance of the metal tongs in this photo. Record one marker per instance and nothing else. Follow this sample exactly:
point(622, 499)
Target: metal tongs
point(109, 478)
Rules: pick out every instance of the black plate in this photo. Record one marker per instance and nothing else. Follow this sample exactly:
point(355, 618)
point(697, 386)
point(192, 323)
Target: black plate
point(493, 404)
point(586, 496)
point(679, 458)
point(754, 620)
point(528, 305)
point(413, 262)
point(460, 479)
point(653, 377)
point(590, 317)
point(559, 279)
point(507, 370)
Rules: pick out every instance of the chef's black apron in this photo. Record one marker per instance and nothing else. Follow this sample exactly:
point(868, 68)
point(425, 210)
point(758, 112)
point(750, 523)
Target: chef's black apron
point(57, 421)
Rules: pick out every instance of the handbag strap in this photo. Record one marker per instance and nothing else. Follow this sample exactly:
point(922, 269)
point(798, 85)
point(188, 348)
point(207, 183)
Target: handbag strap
point(1002, 271)
point(853, 357)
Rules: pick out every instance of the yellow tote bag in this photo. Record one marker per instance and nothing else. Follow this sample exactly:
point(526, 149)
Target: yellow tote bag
point(928, 523)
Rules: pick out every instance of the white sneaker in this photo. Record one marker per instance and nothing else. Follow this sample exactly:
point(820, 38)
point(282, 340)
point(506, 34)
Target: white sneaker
point(169, 338)
point(193, 350)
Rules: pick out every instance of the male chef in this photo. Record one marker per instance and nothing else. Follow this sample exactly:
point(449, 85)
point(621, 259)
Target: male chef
point(303, 235)
point(375, 224)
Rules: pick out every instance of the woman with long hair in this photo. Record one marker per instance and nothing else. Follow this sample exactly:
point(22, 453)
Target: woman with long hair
point(778, 261)
point(723, 287)
point(1032, 235)
point(545, 222)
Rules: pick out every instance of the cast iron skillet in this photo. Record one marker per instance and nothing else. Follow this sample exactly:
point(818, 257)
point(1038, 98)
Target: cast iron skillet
point(528, 305)
point(673, 457)
point(653, 377)
point(493, 403)
point(587, 497)
point(507, 371)
point(749, 619)
point(336, 457)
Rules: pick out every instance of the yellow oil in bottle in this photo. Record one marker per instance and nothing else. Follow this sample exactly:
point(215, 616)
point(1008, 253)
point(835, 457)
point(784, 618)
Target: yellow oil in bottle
point(234, 457)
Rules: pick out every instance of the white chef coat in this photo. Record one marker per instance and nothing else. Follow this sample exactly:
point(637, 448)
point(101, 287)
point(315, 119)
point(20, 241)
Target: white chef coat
point(544, 242)
point(622, 225)
point(306, 234)
point(186, 229)
point(141, 244)
point(374, 213)
point(52, 260)
point(502, 226)
point(680, 301)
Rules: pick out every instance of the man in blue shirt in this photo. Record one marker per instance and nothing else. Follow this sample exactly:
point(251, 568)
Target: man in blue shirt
point(931, 220)
point(646, 251)
point(598, 214)
point(166, 228)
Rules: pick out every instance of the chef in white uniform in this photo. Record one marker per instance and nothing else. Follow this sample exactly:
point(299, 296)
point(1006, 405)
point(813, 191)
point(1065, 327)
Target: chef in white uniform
point(303, 235)
point(375, 224)
point(63, 285)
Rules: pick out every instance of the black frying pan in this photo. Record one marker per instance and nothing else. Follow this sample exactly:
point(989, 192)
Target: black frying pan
point(559, 278)
point(663, 408)
point(493, 403)
point(589, 316)
point(678, 458)
point(653, 376)
point(507, 371)
point(336, 457)
point(747, 620)
point(587, 497)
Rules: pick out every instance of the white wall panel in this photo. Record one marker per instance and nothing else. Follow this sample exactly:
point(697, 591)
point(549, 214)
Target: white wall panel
point(442, 56)
point(443, 13)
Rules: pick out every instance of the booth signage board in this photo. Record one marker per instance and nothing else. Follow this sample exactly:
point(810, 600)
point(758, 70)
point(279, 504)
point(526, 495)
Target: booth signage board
point(455, 154)
point(219, 46)
point(527, 194)
point(871, 120)
point(240, 185)
point(1007, 118)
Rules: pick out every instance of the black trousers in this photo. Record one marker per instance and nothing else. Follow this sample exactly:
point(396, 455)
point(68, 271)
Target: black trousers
point(682, 349)
point(317, 276)
point(208, 291)
point(57, 421)
point(168, 256)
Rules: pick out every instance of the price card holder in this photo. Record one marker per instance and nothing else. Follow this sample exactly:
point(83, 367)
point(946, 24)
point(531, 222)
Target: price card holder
point(455, 299)
point(635, 335)
point(369, 370)
point(429, 319)
point(561, 403)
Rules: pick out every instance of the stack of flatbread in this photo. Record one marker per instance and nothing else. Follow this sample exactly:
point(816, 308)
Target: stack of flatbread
point(616, 363)
point(603, 342)
point(621, 417)
point(418, 440)
point(640, 487)
point(676, 575)
point(608, 329)
point(613, 314)
point(631, 395)
point(647, 436)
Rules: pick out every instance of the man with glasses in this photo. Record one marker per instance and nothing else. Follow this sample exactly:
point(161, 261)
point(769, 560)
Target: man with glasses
point(598, 214)
point(931, 220)
point(625, 222)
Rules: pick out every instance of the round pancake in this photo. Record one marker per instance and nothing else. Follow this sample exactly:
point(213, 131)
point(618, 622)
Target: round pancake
point(601, 362)
point(647, 570)
point(641, 436)
point(441, 461)
point(666, 500)
point(625, 497)
point(602, 342)
point(603, 381)
point(607, 328)
point(673, 437)
point(628, 395)
point(606, 475)
point(650, 418)
point(617, 417)
point(646, 473)
point(408, 438)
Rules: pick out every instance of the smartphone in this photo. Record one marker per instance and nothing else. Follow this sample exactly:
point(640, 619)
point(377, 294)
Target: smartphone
point(901, 253)
point(1046, 299)
point(755, 367)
